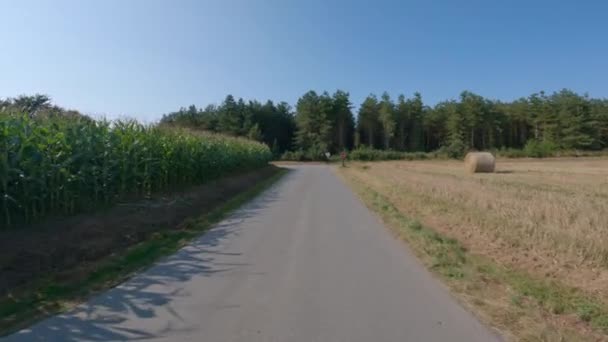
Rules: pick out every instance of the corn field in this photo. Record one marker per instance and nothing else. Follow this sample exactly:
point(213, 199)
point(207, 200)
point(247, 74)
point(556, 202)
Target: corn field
point(62, 166)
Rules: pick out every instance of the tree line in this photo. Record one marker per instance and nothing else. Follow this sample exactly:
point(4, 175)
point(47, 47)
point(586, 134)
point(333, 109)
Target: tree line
point(324, 122)
point(36, 106)
point(320, 123)
point(268, 123)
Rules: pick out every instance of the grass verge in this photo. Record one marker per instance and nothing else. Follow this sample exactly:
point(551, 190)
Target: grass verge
point(57, 293)
point(522, 306)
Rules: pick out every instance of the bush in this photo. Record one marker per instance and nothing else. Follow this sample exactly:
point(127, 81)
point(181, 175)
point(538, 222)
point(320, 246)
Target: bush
point(539, 149)
point(362, 154)
point(455, 150)
point(68, 165)
point(309, 155)
point(368, 154)
point(298, 155)
point(510, 153)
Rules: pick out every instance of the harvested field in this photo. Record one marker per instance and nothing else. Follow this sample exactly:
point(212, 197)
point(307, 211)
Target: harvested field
point(547, 218)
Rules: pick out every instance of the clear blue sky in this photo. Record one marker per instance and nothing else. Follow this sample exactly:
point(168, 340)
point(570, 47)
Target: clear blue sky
point(141, 58)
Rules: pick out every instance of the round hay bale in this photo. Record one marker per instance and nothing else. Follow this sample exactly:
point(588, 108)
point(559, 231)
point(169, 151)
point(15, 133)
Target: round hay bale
point(479, 162)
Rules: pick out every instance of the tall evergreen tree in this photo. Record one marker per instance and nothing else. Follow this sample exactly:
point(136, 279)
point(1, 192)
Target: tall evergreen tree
point(544, 118)
point(435, 128)
point(576, 125)
point(386, 114)
point(368, 121)
point(402, 118)
point(343, 122)
point(313, 123)
point(230, 117)
point(472, 110)
point(416, 116)
point(599, 113)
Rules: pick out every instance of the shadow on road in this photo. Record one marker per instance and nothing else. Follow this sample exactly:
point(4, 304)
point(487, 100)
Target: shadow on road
point(145, 294)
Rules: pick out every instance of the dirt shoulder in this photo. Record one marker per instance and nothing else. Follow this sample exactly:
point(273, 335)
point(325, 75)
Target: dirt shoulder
point(44, 266)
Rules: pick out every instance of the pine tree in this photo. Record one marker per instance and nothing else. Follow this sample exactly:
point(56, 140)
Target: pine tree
point(313, 124)
point(230, 117)
point(343, 122)
point(387, 119)
point(576, 126)
point(368, 122)
point(416, 116)
point(402, 118)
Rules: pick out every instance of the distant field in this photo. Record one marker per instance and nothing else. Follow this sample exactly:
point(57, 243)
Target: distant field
point(546, 218)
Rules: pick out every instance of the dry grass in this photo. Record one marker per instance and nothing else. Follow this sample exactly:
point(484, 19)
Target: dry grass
point(547, 218)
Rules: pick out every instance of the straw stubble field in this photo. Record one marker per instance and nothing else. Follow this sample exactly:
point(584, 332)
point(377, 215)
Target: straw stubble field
point(543, 218)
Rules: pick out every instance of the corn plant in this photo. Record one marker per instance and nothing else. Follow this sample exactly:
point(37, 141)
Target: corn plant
point(62, 166)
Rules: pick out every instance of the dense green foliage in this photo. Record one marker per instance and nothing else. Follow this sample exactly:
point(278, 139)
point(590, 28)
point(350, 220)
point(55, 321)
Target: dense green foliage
point(36, 106)
point(60, 161)
point(67, 164)
point(269, 123)
point(324, 123)
point(537, 125)
point(532, 150)
point(562, 121)
point(368, 154)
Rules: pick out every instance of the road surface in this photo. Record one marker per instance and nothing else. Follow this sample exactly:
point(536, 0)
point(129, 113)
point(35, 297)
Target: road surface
point(304, 262)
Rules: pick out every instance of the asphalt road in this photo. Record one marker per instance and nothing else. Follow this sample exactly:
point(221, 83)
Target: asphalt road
point(304, 262)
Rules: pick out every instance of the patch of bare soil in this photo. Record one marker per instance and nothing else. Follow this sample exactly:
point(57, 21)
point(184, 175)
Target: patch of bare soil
point(29, 252)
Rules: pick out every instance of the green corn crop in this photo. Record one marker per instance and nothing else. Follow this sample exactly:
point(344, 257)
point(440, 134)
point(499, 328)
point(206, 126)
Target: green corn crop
point(62, 166)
